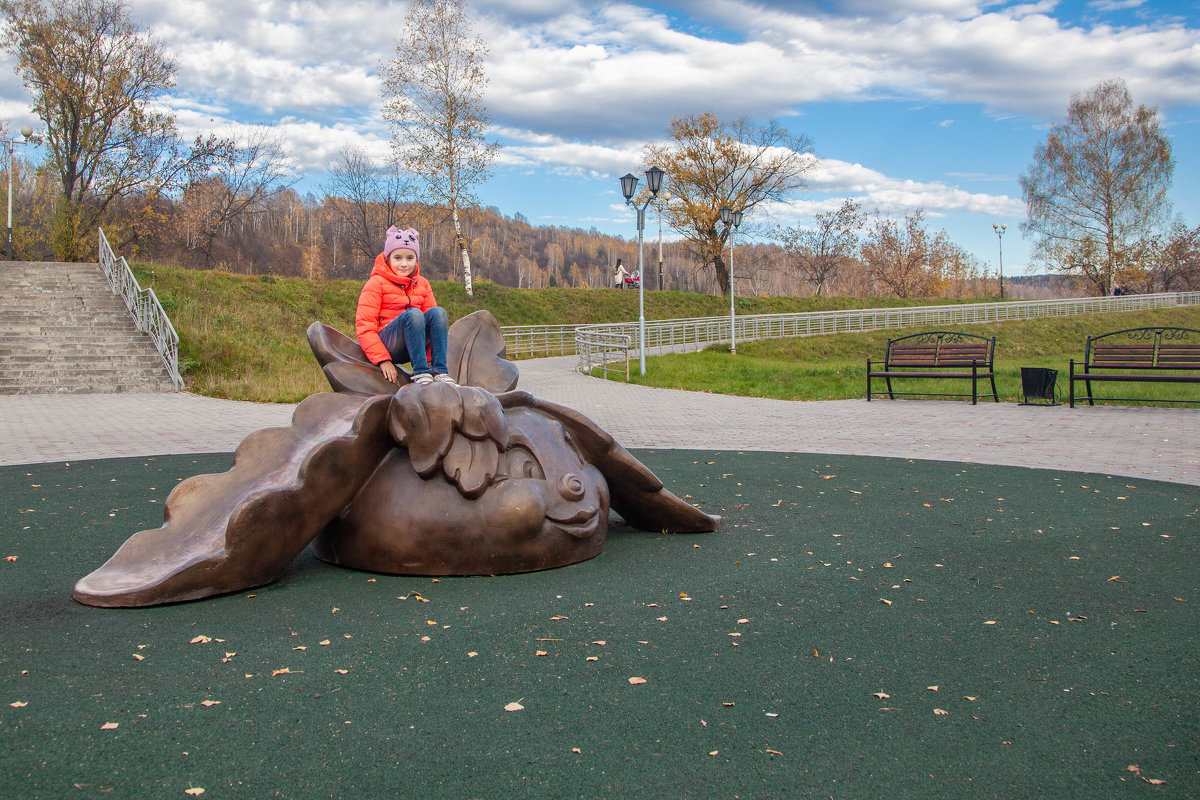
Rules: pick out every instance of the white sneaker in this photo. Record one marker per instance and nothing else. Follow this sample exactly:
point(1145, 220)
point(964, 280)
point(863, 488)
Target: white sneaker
point(422, 378)
point(442, 377)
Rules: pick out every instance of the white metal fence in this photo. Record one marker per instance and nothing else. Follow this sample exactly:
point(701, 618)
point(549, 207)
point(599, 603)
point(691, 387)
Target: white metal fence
point(146, 310)
point(600, 345)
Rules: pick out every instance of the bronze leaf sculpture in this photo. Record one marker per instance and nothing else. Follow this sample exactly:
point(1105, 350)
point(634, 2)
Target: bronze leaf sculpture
point(475, 479)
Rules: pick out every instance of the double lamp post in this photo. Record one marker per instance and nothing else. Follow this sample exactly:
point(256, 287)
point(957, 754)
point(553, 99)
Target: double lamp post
point(629, 182)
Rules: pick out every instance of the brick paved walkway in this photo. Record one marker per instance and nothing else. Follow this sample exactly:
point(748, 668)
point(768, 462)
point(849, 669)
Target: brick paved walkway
point(1158, 443)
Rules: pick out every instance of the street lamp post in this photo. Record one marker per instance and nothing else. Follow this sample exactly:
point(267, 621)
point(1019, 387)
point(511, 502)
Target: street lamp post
point(660, 253)
point(654, 179)
point(26, 132)
point(999, 229)
point(729, 216)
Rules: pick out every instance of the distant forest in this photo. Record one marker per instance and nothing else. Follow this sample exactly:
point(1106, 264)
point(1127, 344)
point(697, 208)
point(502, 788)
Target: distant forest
point(288, 234)
point(302, 236)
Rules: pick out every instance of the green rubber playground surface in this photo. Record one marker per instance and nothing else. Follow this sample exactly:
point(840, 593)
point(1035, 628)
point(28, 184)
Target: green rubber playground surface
point(859, 628)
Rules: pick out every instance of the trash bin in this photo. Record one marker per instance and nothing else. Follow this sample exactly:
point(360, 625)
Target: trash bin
point(1037, 383)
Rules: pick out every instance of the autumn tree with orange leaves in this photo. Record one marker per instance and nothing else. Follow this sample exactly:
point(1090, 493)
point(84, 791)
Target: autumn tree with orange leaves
point(95, 78)
point(710, 164)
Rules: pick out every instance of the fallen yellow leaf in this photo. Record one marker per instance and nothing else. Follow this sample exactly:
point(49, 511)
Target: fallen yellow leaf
point(636, 681)
point(194, 791)
point(932, 688)
point(514, 706)
point(541, 653)
point(882, 695)
point(201, 640)
point(341, 671)
point(941, 712)
point(19, 704)
point(110, 726)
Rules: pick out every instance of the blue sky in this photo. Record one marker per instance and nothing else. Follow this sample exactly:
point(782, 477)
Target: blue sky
point(933, 104)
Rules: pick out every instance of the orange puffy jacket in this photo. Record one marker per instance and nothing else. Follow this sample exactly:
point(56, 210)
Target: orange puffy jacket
point(384, 297)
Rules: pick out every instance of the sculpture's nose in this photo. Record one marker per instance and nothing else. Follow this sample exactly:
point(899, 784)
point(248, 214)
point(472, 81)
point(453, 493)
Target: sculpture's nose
point(571, 487)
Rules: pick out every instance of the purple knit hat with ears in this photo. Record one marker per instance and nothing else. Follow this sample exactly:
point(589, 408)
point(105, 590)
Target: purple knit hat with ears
point(396, 238)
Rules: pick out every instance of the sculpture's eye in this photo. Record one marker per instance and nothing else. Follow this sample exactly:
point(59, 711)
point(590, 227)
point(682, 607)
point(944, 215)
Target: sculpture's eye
point(522, 464)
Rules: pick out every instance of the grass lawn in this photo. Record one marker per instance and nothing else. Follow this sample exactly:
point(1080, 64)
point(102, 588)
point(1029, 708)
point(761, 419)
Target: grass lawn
point(834, 367)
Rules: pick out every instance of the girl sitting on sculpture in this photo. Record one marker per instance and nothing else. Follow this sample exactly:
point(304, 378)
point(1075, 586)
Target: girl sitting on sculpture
point(398, 320)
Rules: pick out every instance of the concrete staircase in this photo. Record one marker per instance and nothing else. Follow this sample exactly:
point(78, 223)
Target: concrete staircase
point(63, 331)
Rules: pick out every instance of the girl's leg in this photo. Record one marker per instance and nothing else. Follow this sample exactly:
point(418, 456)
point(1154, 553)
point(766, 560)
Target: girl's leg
point(437, 327)
point(404, 337)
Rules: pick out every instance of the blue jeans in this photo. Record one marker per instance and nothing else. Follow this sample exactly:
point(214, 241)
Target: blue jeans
point(407, 335)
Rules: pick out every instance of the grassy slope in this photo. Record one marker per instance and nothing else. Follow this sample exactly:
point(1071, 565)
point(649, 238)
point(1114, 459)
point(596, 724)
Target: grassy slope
point(243, 337)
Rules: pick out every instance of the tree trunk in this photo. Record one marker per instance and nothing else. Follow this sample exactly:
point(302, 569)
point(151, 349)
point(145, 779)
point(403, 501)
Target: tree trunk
point(722, 271)
point(466, 256)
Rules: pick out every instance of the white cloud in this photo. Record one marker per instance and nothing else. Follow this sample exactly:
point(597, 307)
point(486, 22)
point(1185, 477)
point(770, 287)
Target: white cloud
point(897, 195)
point(576, 87)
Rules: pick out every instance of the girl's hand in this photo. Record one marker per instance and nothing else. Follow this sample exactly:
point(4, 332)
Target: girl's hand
point(389, 370)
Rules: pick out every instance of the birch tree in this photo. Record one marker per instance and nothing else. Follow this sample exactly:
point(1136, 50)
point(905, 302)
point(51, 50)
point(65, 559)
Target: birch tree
point(433, 100)
point(1097, 187)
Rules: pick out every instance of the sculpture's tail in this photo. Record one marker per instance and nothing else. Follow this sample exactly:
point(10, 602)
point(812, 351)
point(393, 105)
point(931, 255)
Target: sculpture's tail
point(230, 531)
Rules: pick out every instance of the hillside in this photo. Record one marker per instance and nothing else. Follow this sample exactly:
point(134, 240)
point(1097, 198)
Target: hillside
point(242, 337)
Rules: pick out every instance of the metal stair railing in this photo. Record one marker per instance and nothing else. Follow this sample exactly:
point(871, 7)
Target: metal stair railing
point(683, 334)
point(143, 304)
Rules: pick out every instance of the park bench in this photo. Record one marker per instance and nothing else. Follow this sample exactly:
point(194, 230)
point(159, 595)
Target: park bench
point(936, 354)
point(1150, 355)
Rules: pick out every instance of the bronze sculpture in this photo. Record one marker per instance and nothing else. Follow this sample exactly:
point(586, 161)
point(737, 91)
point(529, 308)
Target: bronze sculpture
point(473, 479)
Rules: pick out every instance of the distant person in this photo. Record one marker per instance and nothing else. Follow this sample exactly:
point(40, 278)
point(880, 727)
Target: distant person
point(620, 276)
point(398, 320)
point(1119, 290)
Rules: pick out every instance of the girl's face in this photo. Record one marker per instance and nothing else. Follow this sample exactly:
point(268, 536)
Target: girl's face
point(402, 261)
